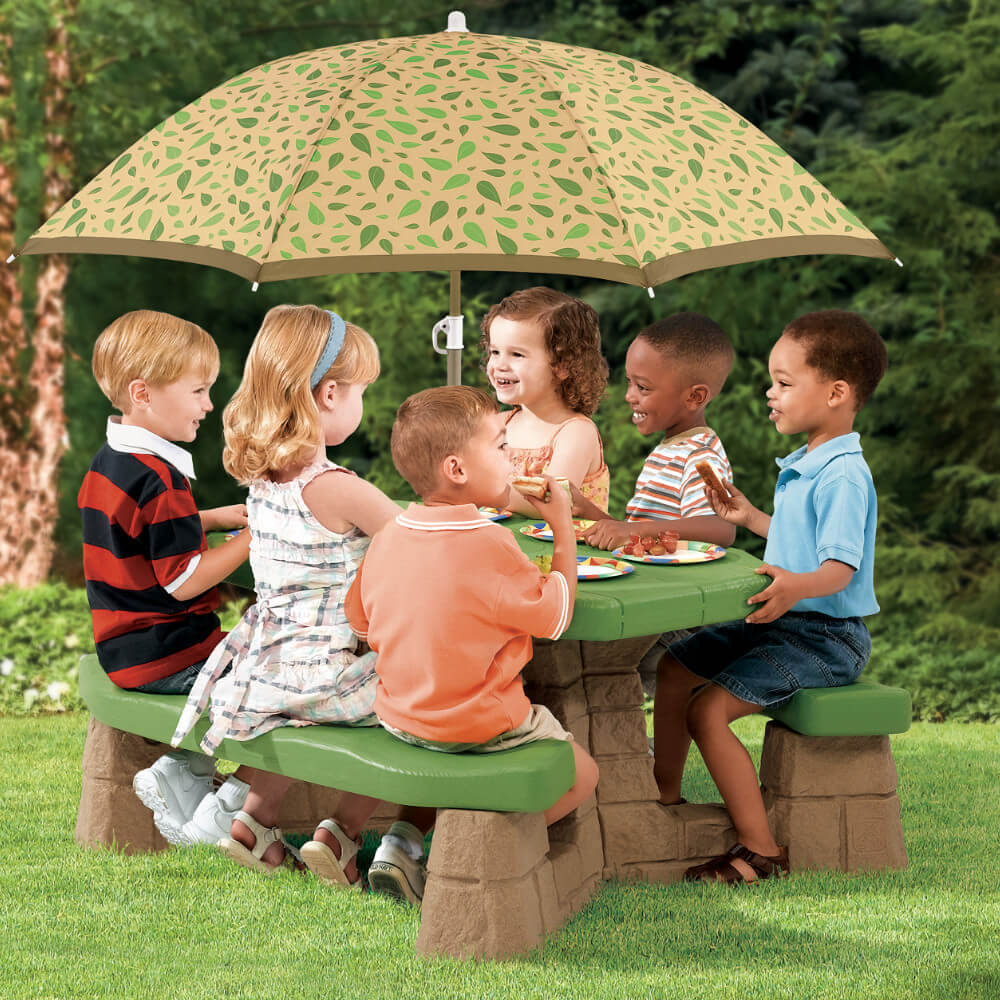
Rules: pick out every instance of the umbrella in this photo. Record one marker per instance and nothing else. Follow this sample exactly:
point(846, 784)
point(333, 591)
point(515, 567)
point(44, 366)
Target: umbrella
point(456, 151)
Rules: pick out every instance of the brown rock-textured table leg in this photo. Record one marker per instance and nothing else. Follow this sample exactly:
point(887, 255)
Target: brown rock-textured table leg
point(496, 888)
point(593, 688)
point(833, 800)
point(110, 814)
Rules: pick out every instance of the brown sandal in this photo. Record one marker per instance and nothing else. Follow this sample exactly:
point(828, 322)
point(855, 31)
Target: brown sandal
point(740, 865)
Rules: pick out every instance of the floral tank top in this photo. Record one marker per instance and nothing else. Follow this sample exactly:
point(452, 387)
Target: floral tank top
point(596, 485)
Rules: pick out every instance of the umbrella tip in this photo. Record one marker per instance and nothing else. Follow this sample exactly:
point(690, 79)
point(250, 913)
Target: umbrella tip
point(899, 263)
point(11, 258)
point(255, 286)
point(456, 21)
point(652, 294)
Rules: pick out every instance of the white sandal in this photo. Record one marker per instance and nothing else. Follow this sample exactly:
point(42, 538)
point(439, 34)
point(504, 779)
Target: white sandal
point(324, 864)
point(264, 837)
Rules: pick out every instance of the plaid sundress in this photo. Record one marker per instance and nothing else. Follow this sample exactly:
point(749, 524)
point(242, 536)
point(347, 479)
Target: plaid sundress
point(292, 655)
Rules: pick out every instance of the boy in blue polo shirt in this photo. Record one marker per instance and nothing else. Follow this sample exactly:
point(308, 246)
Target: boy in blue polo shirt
point(806, 630)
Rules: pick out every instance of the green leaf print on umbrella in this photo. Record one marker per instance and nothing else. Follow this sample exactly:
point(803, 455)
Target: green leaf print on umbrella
point(441, 150)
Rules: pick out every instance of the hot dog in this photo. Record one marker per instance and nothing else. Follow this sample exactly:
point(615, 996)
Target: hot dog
point(711, 480)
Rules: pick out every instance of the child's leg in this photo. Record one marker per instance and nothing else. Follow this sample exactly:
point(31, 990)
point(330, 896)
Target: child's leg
point(267, 791)
point(708, 719)
point(399, 869)
point(582, 787)
point(671, 739)
point(353, 811)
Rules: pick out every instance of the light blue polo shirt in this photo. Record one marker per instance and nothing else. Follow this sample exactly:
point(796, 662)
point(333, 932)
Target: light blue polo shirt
point(825, 508)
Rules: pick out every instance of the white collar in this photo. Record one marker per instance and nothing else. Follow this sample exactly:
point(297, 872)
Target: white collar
point(129, 438)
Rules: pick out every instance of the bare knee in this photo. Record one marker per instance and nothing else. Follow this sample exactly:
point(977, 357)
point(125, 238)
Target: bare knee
point(704, 716)
point(587, 772)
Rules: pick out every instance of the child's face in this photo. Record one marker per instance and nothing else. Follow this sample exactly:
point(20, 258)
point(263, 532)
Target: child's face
point(799, 396)
point(656, 390)
point(174, 411)
point(486, 465)
point(519, 367)
point(340, 418)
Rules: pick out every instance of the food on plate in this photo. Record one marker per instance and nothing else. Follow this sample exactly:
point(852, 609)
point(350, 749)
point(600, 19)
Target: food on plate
point(711, 480)
point(663, 544)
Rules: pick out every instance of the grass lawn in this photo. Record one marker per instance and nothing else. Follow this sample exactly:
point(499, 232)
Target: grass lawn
point(76, 923)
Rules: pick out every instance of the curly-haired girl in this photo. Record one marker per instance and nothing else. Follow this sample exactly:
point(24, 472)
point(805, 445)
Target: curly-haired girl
point(542, 353)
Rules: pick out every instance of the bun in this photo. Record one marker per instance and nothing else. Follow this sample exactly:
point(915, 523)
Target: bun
point(530, 486)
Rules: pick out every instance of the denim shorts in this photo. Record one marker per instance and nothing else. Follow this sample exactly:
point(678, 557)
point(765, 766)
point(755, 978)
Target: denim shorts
point(179, 683)
point(766, 664)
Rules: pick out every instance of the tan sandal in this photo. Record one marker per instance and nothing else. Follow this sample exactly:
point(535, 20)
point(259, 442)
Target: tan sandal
point(324, 864)
point(264, 837)
point(740, 865)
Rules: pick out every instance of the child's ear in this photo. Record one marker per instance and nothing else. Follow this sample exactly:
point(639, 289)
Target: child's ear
point(138, 393)
point(840, 393)
point(325, 394)
point(453, 470)
point(697, 396)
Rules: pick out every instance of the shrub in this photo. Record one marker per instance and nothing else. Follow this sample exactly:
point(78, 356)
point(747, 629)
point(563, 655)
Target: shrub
point(43, 633)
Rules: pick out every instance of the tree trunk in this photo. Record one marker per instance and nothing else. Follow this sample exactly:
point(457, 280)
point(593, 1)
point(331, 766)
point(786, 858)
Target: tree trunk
point(35, 441)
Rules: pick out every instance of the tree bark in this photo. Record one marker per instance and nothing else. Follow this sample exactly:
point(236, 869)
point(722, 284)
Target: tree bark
point(34, 424)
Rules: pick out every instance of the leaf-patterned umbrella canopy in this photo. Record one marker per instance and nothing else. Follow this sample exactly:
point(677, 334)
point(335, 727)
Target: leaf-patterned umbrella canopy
point(456, 151)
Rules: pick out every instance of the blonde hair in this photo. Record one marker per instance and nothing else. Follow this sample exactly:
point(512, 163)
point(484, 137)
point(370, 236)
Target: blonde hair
point(153, 346)
point(433, 424)
point(272, 422)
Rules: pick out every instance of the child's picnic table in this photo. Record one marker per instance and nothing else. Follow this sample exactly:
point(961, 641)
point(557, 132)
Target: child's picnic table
point(498, 879)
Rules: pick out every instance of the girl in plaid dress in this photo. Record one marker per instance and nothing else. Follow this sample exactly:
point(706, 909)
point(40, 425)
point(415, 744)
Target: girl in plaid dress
point(293, 660)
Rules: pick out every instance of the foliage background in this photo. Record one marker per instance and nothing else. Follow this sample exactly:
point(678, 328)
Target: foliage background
point(894, 104)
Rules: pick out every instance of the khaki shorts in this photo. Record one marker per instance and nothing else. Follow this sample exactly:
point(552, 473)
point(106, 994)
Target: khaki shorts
point(540, 724)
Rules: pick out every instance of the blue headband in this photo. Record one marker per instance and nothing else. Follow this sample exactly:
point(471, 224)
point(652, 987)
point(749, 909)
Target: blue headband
point(334, 342)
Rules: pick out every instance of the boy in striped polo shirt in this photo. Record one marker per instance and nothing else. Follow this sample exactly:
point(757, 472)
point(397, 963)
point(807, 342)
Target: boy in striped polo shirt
point(674, 368)
point(151, 580)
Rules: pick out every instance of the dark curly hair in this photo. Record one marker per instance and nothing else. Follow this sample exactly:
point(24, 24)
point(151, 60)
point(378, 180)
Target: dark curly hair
point(572, 338)
point(842, 345)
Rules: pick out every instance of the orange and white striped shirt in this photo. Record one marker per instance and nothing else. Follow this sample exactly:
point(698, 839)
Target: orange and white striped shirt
point(669, 485)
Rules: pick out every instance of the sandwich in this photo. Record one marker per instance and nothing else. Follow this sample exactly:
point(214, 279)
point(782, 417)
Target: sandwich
point(537, 486)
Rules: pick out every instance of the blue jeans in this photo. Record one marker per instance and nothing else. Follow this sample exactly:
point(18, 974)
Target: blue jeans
point(766, 664)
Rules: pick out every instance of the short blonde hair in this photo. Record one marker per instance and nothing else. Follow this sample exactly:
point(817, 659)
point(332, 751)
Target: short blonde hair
point(153, 346)
point(433, 424)
point(272, 422)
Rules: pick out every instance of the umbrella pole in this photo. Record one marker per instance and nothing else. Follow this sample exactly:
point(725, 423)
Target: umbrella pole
point(455, 309)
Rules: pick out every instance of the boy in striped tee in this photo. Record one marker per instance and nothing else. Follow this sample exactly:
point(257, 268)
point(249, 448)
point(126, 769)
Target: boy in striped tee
point(151, 579)
point(674, 368)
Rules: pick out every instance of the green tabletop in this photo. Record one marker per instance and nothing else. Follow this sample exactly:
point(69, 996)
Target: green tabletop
point(652, 599)
point(655, 598)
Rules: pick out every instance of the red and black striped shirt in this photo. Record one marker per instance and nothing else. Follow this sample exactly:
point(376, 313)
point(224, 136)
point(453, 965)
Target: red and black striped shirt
point(141, 530)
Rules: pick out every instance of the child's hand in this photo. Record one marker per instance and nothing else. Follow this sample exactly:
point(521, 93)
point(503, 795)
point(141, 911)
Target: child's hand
point(785, 591)
point(556, 505)
point(606, 534)
point(732, 506)
point(225, 518)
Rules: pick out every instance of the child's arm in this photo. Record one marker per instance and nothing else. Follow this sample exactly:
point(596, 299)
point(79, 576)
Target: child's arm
point(559, 513)
point(787, 589)
point(214, 566)
point(223, 518)
point(339, 498)
point(576, 449)
point(609, 534)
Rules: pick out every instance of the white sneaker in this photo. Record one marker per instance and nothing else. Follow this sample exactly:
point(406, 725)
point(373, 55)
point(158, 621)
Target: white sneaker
point(172, 791)
point(394, 873)
point(214, 816)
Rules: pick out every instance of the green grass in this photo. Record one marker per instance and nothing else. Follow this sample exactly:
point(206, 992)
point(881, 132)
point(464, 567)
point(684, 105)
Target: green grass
point(185, 924)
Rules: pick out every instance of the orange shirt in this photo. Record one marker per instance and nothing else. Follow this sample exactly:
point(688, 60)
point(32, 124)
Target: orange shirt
point(449, 602)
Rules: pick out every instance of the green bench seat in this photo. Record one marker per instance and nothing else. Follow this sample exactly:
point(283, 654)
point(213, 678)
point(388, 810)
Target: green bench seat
point(366, 760)
point(865, 708)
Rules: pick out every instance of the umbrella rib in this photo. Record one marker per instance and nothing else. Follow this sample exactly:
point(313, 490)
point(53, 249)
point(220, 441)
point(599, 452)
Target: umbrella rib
point(308, 159)
point(593, 159)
